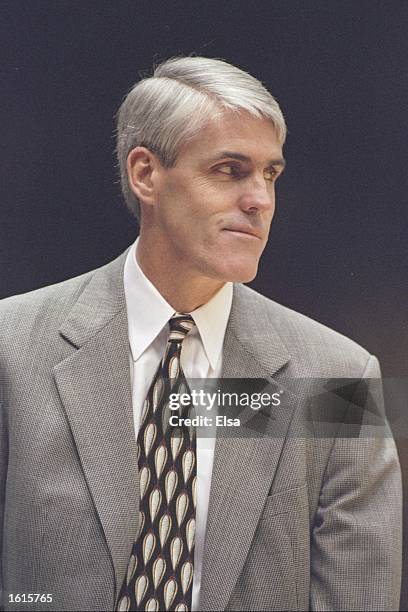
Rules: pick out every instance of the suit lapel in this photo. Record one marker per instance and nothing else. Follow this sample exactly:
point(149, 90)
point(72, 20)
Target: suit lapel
point(94, 386)
point(244, 467)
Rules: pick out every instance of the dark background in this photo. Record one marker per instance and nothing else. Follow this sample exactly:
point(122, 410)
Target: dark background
point(338, 247)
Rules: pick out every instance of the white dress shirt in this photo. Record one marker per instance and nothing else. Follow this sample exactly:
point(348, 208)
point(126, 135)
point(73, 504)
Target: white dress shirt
point(201, 357)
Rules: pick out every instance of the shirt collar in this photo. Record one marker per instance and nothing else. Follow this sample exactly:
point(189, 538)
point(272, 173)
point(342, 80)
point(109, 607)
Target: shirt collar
point(148, 312)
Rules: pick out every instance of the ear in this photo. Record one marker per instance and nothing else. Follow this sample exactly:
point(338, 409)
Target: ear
point(141, 168)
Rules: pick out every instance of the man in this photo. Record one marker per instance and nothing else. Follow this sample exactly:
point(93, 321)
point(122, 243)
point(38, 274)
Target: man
point(108, 506)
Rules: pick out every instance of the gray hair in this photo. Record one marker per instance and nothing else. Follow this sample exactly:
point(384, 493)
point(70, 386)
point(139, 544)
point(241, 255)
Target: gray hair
point(162, 112)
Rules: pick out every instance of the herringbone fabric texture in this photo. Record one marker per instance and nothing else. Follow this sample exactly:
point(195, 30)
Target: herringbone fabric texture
point(160, 569)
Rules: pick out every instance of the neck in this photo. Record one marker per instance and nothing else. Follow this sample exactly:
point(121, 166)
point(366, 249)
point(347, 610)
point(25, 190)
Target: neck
point(183, 289)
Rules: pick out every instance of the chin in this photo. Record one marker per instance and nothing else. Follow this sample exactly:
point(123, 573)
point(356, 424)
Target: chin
point(245, 278)
point(238, 274)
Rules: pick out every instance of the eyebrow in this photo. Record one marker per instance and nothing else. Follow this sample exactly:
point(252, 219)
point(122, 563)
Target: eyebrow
point(279, 161)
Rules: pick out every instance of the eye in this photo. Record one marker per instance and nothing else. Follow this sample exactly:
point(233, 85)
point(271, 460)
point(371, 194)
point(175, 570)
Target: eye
point(229, 169)
point(271, 174)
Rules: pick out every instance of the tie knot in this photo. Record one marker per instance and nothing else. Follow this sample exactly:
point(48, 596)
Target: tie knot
point(180, 325)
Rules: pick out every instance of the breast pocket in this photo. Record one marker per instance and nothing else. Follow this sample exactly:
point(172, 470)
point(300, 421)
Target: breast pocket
point(277, 569)
point(286, 501)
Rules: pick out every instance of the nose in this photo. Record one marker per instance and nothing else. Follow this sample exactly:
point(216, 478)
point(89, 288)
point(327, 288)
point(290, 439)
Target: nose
point(259, 196)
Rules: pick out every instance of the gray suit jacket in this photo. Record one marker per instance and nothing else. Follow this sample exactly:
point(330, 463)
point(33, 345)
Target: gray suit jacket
point(295, 522)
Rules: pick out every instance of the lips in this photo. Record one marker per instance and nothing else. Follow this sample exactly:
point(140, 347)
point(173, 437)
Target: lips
point(244, 229)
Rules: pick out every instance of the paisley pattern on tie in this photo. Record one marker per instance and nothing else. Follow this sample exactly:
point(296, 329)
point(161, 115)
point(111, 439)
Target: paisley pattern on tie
point(161, 566)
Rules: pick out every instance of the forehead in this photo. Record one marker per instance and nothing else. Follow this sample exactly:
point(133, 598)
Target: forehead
point(239, 132)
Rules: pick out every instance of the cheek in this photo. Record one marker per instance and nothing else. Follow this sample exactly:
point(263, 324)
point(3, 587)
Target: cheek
point(192, 212)
point(183, 222)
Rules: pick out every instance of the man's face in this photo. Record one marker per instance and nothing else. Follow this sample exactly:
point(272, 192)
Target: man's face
point(215, 206)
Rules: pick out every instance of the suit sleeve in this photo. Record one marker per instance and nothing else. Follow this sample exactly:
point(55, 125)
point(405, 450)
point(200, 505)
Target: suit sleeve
point(356, 546)
point(3, 475)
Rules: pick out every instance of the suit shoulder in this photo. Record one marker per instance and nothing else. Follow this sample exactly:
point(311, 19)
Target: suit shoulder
point(54, 299)
point(307, 340)
point(43, 310)
point(47, 307)
point(65, 292)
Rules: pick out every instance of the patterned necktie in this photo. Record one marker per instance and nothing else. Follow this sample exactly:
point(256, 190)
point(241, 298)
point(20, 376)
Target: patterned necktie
point(160, 570)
